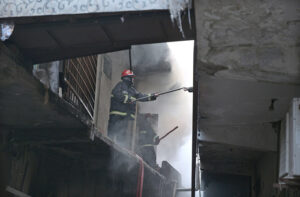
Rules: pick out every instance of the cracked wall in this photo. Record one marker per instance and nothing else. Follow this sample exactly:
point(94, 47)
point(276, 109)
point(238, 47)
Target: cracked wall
point(252, 40)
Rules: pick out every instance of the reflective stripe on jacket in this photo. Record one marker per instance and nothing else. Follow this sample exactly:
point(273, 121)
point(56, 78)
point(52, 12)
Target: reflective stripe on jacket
point(147, 138)
point(122, 97)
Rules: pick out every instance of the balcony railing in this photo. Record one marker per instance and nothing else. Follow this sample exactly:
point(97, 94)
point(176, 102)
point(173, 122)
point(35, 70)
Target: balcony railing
point(80, 80)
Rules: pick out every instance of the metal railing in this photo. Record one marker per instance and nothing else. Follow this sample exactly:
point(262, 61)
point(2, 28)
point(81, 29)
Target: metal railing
point(80, 80)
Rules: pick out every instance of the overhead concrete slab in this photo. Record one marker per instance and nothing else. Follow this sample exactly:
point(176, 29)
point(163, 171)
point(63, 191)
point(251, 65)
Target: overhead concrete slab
point(20, 8)
point(242, 102)
point(44, 39)
point(260, 137)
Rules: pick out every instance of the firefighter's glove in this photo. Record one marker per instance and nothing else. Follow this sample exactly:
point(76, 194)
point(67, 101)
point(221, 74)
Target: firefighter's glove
point(153, 96)
point(189, 89)
point(132, 100)
point(156, 140)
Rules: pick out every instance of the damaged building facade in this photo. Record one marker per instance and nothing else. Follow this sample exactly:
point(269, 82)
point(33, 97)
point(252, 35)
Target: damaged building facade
point(64, 149)
point(248, 75)
point(246, 84)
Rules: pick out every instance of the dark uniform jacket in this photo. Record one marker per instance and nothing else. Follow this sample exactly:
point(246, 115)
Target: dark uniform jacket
point(147, 142)
point(147, 138)
point(122, 96)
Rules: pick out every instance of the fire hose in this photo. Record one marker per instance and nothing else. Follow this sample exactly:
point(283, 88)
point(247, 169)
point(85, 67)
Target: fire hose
point(139, 192)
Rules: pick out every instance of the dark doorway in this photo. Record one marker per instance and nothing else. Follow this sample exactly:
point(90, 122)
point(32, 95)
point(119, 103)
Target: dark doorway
point(226, 185)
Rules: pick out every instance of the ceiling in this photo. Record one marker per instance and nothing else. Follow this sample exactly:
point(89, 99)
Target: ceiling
point(43, 39)
point(225, 101)
point(248, 105)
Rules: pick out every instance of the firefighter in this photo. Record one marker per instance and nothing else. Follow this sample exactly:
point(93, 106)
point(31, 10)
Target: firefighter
point(123, 107)
point(147, 141)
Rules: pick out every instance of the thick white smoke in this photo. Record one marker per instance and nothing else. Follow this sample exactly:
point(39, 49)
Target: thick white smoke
point(174, 109)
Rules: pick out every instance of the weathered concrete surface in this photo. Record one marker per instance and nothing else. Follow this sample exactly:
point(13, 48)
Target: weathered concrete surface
point(110, 66)
point(241, 113)
point(249, 40)
point(258, 137)
point(51, 38)
point(248, 54)
point(18, 8)
point(241, 102)
point(249, 69)
point(25, 103)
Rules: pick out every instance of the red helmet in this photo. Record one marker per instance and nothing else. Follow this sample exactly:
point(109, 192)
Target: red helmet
point(127, 72)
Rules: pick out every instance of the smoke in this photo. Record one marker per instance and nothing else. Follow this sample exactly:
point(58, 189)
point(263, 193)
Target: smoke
point(151, 58)
point(174, 109)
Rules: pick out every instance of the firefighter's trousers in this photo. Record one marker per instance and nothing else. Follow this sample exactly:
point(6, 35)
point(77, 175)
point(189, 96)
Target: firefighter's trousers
point(118, 130)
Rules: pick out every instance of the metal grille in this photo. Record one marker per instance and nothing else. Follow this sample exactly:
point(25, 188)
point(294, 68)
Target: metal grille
point(80, 80)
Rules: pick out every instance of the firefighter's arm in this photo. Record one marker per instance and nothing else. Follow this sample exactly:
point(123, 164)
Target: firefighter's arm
point(146, 97)
point(119, 94)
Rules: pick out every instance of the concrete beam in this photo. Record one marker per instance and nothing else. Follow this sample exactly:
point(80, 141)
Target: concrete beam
point(258, 137)
point(21, 8)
